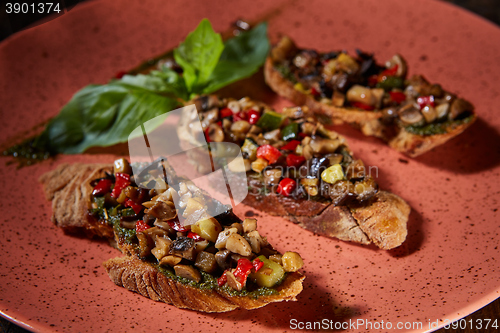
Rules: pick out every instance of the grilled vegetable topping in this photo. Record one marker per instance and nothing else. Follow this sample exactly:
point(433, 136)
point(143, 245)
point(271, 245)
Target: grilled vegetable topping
point(185, 241)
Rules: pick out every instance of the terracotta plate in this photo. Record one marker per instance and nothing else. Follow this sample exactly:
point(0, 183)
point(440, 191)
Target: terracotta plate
point(447, 268)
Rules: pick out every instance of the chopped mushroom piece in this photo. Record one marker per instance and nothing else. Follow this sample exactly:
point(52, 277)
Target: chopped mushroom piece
point(220, 243)
point(162, 210)
point(162, 247)
point(249, 225)
point(232, 282)
point(187, 272)
point(255, 240)
point(170, 260)
point(146, 244)
point(183, 247)
point(276, 258)
point(400, 62)
point(410, 115)
point(324, 146)
point(237, 244)
point(429, 113)
point(215, 133)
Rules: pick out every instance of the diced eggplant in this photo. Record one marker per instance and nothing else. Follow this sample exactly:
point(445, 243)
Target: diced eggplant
point(223, 259)
point(459, 107)
point(206, 262)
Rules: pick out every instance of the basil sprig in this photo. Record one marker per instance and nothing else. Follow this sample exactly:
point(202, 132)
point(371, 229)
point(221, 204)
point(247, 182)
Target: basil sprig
point(104, 115)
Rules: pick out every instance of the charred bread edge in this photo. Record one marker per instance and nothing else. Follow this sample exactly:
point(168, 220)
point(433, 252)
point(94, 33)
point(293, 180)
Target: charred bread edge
point(140, 277)
point(368, 121)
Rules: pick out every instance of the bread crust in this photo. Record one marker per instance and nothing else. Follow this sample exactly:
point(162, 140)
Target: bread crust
point(369, 122)
point(68, 187)
point(320, 217)
point(382, 221)
point(142, 278)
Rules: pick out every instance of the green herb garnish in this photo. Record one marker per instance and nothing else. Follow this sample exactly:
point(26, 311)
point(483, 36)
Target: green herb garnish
point(104, 115)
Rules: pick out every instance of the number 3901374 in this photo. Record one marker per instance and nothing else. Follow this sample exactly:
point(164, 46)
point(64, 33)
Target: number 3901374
point(34, 8)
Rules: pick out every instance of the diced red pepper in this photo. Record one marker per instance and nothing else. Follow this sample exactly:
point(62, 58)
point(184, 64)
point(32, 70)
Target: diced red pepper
point(226, 112)
point(195, 236)
point(314, 92)
point(122, 180)
point(120, 74)
point(239, 116)
point(102, 187)
point(135, 206)
point(302, 135)
point(140, 226)
point(242, 270)
point(257, 264)
point(286, 186)
point(424, 101)
point(293, 160)
point(373, 80)
point(363, 106)
point(397, 96)
point(388, 72)
point(253, 116)
point(177, 226)
point(222, 280)
point(291, 145)
point(268, 152)
point(207, 137)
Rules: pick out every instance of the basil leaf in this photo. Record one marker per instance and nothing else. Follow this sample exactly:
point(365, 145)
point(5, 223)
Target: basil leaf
point(102, 115)
point(165, 81)
point(198, 54)
point(242, 56)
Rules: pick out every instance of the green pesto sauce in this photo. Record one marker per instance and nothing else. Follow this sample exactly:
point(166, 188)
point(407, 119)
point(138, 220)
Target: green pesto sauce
point(26, 153)
point(285, 72)
point(125, 235)
point(209, 282)
point(438, 128)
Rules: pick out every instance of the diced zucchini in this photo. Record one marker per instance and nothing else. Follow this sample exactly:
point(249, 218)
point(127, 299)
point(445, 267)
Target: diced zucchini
point(249, 149)
point(269, 275)
point(391, 82)
point(128, 212)
point(333, 174)
point(100, 202)
point(290, 132)
point(270, 120)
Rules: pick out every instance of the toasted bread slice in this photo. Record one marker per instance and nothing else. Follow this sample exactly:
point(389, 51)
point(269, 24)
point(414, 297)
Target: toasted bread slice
point(374, 122)
point(142, 278)
point(70, 187)
point(386, 227)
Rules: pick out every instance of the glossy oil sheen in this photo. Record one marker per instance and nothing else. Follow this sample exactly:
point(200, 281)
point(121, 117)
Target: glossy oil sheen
point(447, 268)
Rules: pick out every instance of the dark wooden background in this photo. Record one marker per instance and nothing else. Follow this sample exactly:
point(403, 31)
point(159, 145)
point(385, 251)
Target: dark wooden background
point(489, 9)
